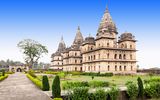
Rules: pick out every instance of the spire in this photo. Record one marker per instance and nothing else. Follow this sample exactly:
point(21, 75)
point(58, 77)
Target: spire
point(106, 24)
point(61, 46)
point(79, 38)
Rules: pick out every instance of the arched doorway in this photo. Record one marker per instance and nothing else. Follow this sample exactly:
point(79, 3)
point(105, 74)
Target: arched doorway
point(19, 70)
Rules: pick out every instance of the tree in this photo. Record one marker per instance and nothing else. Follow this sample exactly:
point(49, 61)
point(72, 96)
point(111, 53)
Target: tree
point(32, 51)
point(45, 83)
point(140, 87)
point(56, 89)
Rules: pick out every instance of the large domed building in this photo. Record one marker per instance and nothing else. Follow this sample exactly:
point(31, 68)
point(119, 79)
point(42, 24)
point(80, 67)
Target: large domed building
point(104, 53)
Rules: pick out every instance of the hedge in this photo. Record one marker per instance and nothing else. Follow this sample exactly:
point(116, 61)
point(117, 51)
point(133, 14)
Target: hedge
point(92, 84)
point(3, 77)
point(36, 81)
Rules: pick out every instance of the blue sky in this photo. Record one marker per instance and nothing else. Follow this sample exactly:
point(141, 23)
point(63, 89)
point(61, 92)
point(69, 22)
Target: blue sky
point(47, 20)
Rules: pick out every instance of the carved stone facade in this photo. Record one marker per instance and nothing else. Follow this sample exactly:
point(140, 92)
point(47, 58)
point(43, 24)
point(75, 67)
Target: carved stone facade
point(104, 53)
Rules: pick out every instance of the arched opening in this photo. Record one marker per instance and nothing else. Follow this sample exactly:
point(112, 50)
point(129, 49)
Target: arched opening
point(131, 68)
point(108, 56)
point(124, 56)
point(122, 46)
point(12, 70)
point(131, 56)
point(107, 44)
point(75, 68)
point(115, 56)
point(120, 68)
point(81, 69)
point(120, 56)
point(124, 68)
point(108, 67)
point(19, 70)
point(115, 68)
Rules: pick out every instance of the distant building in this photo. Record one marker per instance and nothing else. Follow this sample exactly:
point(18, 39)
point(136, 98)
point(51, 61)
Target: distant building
point(104, 53)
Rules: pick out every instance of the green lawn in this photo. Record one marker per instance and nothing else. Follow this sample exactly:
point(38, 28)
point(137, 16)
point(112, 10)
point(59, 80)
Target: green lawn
point(117, 80)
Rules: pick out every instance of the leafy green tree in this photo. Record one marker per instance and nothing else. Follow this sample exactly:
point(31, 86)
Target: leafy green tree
point(32, 51)
point(45, 83)
point(140, 87)
point(56, 89)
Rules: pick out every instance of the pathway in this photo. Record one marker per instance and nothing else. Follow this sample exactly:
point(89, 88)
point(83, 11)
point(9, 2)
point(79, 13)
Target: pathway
point(18, 87)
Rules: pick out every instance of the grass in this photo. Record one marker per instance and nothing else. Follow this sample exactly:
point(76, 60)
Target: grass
point(116, 80)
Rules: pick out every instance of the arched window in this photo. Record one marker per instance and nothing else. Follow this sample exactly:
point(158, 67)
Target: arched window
point(122, 46)
point(58, 58)
point(107, 44)
point(108, 67)
point(120, 56)
point(94, 57)
point(88, 57)
point(75, 68)
point(120, 68)
point(108, 56)
point(116, 68)
point(131, 46)
point(131, 56)
point(75, 61)
point(115, 56)
point(124, 68)
point(124, 56)
point(131, 68)
point(99, 56)
point(58, 63)
point(125, 45)
point(75, 54)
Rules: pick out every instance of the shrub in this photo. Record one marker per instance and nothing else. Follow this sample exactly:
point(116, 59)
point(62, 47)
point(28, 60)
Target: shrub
point(100, 94)
point(152, 80)
point(140, 87)
point(36, 81)
point(3, 72)
point(51, 72)
point(45, 83)
point(153, 90)
point(3, 77)
point(80, 93)
point(132, 90)
point(95, 84)
point(9, 72)
point(31, 72)
point(57, 99)
point(113, 93)
point(71, 85)
point(56, 90)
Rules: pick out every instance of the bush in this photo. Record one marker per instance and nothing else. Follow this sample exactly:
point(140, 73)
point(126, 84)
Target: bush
point(153, 90)
point(56, 90)
point(3, 77)
point(31, 72)
point(132, 90)
point(57, 99)
point(71, 85)
point(95, 84)
point(45, 83)
point(140, 88)
point(100, 94)
point(51, 72)
point(36, 81)
point(3, 72)
point(152, 80)
point(80, 93)
point(113, 93)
